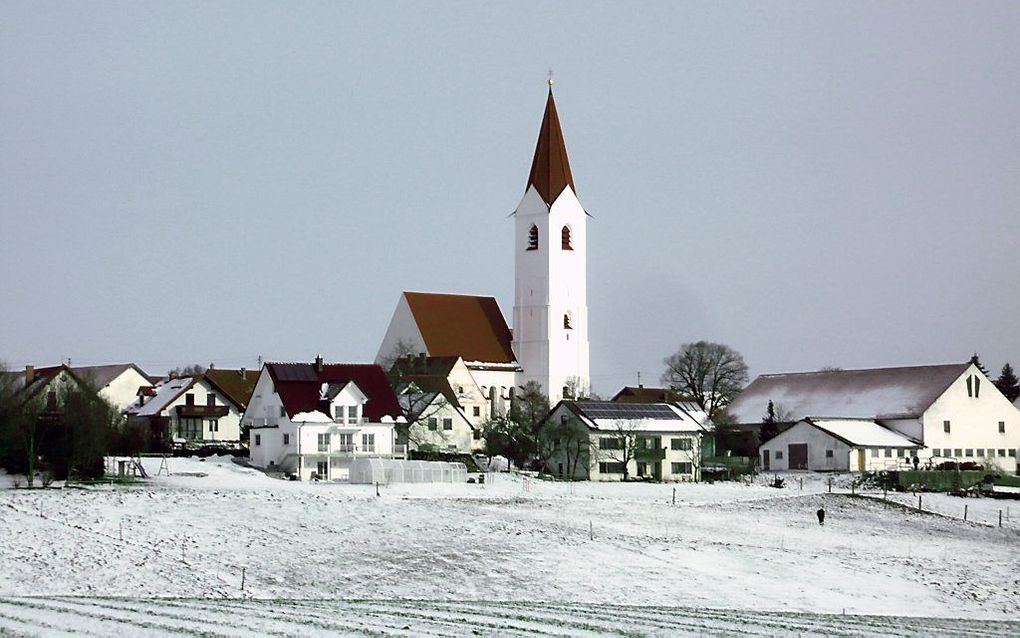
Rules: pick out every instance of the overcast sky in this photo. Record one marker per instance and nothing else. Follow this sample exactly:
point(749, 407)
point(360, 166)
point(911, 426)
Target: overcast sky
point(823, 184)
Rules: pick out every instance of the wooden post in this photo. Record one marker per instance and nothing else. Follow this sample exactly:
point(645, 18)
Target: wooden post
point(830, 485)
point(674, 496)
point(853, 487)
point(801, 481)
point(242, 579)
point(377, 488)
point(591, 531)
point(965, 512)
point(122, 531)
point(1000, 518)
point(884, 497)
point(918, 502)
point(182, 550)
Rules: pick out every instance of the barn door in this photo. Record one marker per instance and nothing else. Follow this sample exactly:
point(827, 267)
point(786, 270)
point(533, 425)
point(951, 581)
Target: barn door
point(765, 460)
point(798, 456)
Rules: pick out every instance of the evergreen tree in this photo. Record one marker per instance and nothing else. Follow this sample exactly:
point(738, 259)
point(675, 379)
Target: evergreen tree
point(769, 424)
point(976, 361)
point(1008, 384)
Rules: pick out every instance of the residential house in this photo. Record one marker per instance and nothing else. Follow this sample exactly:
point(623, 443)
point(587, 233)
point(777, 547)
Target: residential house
point(444, 407)
point(117, 383)
point(949, 412)
point(604, 440)
point(641, 394)
point(188, 411)
point(312, 420)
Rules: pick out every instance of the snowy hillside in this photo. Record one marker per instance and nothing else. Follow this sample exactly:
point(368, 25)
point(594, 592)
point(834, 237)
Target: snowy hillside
point(512, 540)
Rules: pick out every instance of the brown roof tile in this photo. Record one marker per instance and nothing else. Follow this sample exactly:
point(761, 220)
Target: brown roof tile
point(550, 169)
point(465, 326)
point(236, 385)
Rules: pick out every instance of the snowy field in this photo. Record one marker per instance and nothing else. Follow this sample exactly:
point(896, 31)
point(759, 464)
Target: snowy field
point(511, 557)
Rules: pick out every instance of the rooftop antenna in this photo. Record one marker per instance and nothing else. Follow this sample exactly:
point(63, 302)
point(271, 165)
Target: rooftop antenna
point(639, 379)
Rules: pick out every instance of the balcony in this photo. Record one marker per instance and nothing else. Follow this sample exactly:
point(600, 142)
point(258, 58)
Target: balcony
point(649, 454)
point(202, 411)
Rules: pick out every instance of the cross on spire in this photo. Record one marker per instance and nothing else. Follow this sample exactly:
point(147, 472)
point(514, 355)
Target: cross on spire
point(550, 79)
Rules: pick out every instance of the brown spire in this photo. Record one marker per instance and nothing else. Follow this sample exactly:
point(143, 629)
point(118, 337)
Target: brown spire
point(550, 170)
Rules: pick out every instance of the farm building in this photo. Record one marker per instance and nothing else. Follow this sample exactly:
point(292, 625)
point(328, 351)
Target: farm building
point(854, 445)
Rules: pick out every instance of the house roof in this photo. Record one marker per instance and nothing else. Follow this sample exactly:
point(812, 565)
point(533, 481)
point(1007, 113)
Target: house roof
point(465, 326)
point(166, 393)
point(550, 168)
point(641, 394)
point(612, 416)
point(420, 365)
point(41, 378)
point(861, 433)
point(102, 376)
point(235, 385)
point(299, 386)
point(874, 393)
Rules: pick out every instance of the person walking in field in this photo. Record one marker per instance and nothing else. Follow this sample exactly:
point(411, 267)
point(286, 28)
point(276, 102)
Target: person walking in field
point(821, 516)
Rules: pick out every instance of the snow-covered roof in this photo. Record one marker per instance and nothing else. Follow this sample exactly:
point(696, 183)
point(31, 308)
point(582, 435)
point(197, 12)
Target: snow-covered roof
point(311, 417)
point(166, 392)
point(611, 416)
point(865, 394)
point(862, 433)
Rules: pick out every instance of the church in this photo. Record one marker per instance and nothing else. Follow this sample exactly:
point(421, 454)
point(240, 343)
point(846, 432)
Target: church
point(549, 340)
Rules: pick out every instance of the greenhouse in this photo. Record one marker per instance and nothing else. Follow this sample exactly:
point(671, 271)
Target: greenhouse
point(384, 471)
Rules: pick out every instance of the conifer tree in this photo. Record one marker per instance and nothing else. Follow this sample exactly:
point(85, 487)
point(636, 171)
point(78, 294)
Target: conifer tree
point(1008, 384)
point(976, 361)
point(769, 425)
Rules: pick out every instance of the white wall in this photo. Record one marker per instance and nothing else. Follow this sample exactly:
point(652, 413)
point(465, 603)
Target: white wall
point(974, 423)
point(550, 282)
point(123, 390)
point(818, 443)
point(228, 426)
point(459, 439)
point(402, 328)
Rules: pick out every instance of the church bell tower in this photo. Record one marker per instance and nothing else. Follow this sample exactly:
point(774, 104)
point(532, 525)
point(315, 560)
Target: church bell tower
point(550, 322)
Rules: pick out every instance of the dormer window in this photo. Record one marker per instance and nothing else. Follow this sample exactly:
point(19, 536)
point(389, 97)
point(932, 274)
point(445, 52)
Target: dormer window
point(533, 238)
point(565, 236)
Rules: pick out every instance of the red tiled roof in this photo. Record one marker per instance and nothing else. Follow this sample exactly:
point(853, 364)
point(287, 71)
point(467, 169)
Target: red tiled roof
point(550, 170)
point(465, 326)
point(299, 384)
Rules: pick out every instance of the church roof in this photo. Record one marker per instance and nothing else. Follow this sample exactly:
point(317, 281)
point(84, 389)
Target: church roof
point(550, 170)
point(465, 326)
point(864, 394)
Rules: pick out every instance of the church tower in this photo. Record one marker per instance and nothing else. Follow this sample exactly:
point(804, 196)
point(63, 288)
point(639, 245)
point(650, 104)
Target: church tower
point(550, 324)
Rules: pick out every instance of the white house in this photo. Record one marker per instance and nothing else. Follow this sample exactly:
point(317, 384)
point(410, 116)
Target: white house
point(855, 445)
point(952, 412)
point(117, 383)
point(189, 410)
point(549, 342)
point(313, 419)
point(595, 440)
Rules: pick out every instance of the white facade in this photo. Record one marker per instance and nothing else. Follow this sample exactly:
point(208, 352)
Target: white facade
point(197, 412)
point(313, 445)
point(122, 391)
point(984, 427)
point(550, 324)
point(876, 448)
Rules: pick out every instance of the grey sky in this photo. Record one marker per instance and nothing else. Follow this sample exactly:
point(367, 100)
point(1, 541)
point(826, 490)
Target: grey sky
point(814, 184)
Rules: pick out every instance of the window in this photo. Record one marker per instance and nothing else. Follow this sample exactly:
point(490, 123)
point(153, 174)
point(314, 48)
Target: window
point(189, 398)
point(210, 399)
point(563, 419)
point(322, 469)
point(190, 429)
point(970, 385)
point(980, 451)
point(1002, 452)
point(957, 452)
point(368, 442)
point(874, 453)
point(680, 444)
point(433, 423)
point(258, 439)
point(214, 425)
point(900, 452)
point(352, 413)
point(286, 439)
point(477, 411)
point(828, 454)
point(779, 455)
point(1002, 427)
point(533, 238)
point(1012, 453)
point(969, 452)
point(338, 412)
point(610, 467)
point(477, 435)
point(566, 322)
point(936, 452)
point(682, 468)
point(945, 426)
point(565, 237)
point(888, 452)
point(283, 412)
point(460, 391)
point(977, 387)
point(610, 443)
point(323, 441)
point(447, 423)
point(345, 440)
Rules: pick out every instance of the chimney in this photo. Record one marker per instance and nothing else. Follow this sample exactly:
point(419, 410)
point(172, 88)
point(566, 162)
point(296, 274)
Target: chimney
point(29, 374)
point(244, 374)
point(318, 363)
point(421, 362)
point(212, 366)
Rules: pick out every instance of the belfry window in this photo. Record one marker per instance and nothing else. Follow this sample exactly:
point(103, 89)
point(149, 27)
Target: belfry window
point(566, 323)
point(565, 234)
point(533, 238)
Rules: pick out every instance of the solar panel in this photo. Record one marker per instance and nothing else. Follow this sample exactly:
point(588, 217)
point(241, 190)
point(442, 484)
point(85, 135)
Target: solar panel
point(295, 372)
point(609, 410)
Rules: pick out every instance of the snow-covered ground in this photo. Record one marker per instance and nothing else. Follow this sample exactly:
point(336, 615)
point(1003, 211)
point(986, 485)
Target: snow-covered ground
point(510, 543)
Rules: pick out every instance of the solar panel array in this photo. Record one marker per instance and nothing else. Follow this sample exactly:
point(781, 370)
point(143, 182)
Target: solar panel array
point(610, 410)
point(295, 372)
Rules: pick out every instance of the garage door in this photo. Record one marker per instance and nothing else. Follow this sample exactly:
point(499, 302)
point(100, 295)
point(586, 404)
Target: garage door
point(798, 456)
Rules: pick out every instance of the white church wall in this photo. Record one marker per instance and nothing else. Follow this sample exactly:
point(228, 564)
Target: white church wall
point(402, 328)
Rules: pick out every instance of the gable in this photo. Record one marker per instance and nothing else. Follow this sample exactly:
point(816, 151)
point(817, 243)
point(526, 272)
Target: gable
point(299, 386)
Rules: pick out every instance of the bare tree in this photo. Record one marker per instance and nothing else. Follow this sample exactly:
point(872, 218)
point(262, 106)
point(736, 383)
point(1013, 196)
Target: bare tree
point(576, 388)
point(193, 370)
point(621, 446)
point(401, 349)
point(566, 439)
point(712, 374)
